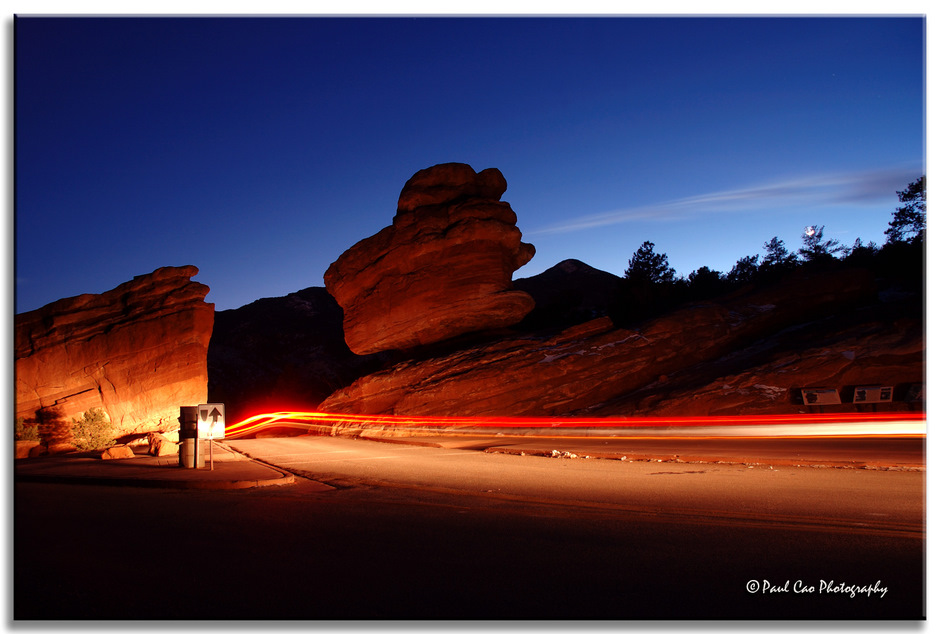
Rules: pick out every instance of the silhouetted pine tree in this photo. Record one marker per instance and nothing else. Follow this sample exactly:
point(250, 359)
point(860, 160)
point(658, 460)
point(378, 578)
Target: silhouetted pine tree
point(909, 221)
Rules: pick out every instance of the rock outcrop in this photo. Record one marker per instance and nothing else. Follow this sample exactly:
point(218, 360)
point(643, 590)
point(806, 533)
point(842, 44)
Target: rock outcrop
point(442, 269)
point(596, 368)
point(766, 378)
point(138, 352)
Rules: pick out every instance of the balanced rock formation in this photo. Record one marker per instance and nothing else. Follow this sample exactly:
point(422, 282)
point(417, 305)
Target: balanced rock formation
point(138, 352)
point(442, 269)
point(585, 367)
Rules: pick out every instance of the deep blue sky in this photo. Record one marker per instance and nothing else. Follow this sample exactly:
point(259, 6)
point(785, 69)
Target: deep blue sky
point(261, 149)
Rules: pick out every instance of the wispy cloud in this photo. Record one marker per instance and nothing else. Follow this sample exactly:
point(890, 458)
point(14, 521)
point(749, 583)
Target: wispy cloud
point(832, 189)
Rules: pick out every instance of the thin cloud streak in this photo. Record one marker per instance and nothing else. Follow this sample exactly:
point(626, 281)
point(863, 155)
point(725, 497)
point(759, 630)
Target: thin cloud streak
point(833, 189)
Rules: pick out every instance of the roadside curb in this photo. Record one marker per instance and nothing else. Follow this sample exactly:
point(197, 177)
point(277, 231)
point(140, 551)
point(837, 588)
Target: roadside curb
point(693, 459)
point(518, 445)
point(237, 472)
point(156, 483)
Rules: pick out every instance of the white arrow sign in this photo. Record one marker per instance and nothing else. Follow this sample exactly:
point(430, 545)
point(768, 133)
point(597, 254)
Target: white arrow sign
point(211, 420)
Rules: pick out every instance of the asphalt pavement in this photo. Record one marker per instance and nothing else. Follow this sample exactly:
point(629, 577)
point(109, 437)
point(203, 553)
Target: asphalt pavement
point(228, 469)
point(231, 469)
point(873, 452)
point(373, 530)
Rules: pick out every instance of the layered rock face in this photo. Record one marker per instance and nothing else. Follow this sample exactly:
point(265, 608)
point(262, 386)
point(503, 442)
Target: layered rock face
point(598, 369)
point(138, 352)
point(442, 269)
point(766, 378)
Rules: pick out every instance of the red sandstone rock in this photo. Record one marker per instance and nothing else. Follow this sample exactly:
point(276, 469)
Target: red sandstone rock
point(160, 445)
point(449, 182)
point(25, 447)
point(444, 268)
point(862, 354)
point(137, 351)
point(587, 366)
point(118, 452)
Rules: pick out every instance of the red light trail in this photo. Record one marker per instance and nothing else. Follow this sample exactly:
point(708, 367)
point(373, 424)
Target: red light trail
point(844, 424)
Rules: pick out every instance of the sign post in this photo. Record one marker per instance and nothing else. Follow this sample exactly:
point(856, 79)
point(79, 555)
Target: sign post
point(873, 394)
point(821, 396)
point(211, 424)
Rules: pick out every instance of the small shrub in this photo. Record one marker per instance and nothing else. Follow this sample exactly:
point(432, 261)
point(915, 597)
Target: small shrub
point(93, 431)
point(26, 431)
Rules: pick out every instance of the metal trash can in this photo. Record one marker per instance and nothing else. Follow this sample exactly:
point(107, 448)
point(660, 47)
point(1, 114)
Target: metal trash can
point(188, 453)
point(192, 449)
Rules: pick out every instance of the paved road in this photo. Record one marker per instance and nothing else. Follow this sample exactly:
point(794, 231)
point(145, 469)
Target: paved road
point(856, 451)
point(436, 533)
point(859, 498)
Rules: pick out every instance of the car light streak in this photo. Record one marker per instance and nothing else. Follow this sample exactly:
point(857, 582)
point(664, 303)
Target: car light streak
point(796, 425)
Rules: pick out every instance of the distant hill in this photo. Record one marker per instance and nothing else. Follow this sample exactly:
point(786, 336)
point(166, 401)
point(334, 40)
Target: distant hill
point(569, 293)
point(281, 351)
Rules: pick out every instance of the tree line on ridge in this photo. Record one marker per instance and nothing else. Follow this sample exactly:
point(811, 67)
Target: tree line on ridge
point(650, 286)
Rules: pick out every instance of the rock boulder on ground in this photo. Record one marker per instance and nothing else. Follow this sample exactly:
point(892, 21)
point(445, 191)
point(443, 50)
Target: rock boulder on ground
point(25, 447)
point(160, 445)
point(118, 452)
point(442, 269)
